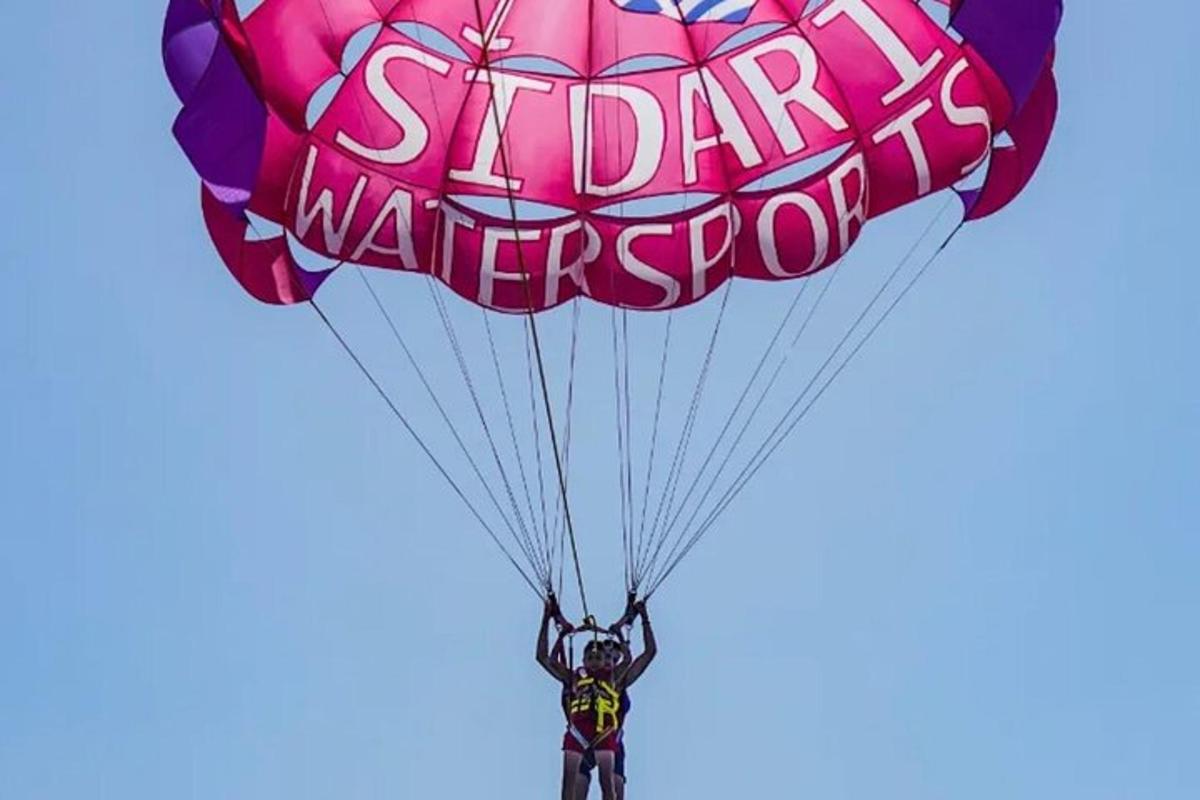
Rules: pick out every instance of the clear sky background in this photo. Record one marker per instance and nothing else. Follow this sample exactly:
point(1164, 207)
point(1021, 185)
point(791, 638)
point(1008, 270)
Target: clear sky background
point(224, 573)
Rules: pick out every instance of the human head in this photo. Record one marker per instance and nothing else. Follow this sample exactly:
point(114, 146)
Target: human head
point(593, 656)
point(612, 653)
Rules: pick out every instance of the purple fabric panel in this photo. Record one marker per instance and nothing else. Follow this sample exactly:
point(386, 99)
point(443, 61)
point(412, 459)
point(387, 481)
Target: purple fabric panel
point(311, 281)
point(189, 39)
point(187, 54)
point(222, 129)
point(970, 199)
point(185, 14)
point(1014, 36)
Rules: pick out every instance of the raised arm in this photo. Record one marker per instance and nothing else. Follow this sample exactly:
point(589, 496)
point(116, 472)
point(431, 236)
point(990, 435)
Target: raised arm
point(626, 653)
point(649, 649)
point(558, 653)
point(554, 666)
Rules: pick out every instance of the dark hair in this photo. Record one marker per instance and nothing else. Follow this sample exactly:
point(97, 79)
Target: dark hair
point(594, 646)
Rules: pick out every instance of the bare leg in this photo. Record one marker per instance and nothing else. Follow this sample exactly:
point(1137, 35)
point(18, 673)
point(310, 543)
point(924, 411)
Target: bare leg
point(570, 773)
point(620, 786)
point(606, 764)
point(582, 784)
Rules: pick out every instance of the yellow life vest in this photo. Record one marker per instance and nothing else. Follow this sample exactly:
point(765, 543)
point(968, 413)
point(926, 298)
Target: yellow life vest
point(592, 695)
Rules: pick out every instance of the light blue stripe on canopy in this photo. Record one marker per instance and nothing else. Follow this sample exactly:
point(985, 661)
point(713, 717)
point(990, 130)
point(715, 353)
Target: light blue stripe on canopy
point(690, 11)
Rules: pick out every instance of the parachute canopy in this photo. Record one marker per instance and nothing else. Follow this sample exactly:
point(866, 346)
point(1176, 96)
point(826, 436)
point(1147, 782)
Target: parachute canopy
point(636, 152)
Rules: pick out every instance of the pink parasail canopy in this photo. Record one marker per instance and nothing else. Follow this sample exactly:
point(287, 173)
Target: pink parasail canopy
point(637, 152)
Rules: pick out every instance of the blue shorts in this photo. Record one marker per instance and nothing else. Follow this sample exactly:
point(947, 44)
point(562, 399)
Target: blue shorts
point(589, 762)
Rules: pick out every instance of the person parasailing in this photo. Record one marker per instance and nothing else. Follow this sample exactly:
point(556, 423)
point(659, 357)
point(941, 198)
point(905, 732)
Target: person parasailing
point(595, 697)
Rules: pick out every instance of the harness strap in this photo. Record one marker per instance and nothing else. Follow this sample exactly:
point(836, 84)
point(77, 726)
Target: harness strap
point(576, 734)
point(586, 743)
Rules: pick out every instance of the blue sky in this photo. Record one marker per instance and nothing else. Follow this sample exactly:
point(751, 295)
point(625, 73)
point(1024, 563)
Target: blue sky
point(226, 574)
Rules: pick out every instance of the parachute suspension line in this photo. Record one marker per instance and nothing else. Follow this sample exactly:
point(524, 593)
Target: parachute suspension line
point(512, 433)
point(715, 514)
point(662, 375)
point(751, 468)
point(505, 161)
point(775, 338)
point(706, 494)
point(677, 465)
point(675, 471)
point(462, 361)
point(412, 360)
point(762, 396)
point(905, 259)
point(562, 508)
point(791, 418)
point(621, 354)
point(624, 431)
point(621, 378)
point(619, 408)
point(365, 371)
point(464, 370)
point(362, 367)
point(559, 527)
point(628, 440)
point(530, 531)
point(745, 427)
point(534, 562)
point(537, 445)
point(804, 285)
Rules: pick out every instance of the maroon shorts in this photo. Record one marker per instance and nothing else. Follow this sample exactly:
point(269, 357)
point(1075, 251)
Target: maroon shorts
point(585, 739)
